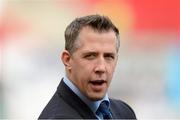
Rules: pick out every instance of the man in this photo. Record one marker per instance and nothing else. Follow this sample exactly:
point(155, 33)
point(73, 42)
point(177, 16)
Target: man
point(90, 56)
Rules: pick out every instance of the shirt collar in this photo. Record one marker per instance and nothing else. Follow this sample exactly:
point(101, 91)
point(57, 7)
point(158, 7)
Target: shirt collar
point(93, 105)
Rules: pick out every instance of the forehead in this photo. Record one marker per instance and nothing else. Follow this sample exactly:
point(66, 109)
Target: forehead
point(91, 39)
point(88, 32)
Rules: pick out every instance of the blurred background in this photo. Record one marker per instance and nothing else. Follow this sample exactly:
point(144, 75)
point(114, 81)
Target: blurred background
point(32, 37)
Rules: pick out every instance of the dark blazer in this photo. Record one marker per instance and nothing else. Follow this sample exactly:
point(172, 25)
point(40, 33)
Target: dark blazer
point(67, 105)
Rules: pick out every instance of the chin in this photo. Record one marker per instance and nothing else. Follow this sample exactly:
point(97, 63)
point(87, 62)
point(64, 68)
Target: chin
point(96, 97)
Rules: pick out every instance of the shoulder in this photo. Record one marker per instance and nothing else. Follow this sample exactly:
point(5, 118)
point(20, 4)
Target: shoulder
point(58, 108)
point(122, 109)
point(120, 104)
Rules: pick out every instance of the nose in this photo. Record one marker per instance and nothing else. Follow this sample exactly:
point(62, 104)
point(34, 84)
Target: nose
point(100, 67)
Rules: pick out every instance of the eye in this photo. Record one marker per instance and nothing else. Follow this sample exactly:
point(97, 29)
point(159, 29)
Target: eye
point(90, 56)
point(109, 56)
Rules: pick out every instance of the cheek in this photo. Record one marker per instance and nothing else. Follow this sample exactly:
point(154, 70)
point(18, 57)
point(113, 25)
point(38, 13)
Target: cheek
point(81, 69)
point(85, 66)
point(111, 71)
point(111, 68)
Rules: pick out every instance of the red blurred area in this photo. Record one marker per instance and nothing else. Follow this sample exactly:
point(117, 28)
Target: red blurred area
point(163, 15)
point(157, 14)
point(12, 25)
point(2, 32)
point(148, 15)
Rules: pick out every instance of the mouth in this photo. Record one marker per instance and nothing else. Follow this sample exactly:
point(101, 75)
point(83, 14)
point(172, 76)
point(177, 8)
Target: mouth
point(98, 85)
point(98, 82)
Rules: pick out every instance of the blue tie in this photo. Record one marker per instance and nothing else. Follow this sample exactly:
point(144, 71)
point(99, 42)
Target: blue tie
point(104, 110)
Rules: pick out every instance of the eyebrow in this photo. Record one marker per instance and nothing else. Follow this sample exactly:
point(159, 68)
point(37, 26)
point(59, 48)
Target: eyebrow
point(89, 52)
point(93, 52)
point(110, 53)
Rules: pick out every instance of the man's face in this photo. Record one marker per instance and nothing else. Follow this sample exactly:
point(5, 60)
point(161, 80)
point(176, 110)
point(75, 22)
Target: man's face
point(92, 65)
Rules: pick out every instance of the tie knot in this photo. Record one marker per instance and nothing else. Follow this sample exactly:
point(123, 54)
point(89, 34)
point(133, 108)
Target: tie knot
point(104, 105)
point(104, 110)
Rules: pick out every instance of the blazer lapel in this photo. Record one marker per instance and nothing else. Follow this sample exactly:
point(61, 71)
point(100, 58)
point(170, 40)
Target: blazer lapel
point(74, 101)
point(115, 112)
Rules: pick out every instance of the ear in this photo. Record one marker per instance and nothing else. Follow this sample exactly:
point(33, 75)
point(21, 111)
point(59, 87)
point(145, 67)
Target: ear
point(65, 57)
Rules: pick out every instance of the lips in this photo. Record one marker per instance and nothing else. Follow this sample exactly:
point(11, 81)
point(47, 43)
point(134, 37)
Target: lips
point(98, 85)
point(97, 82)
